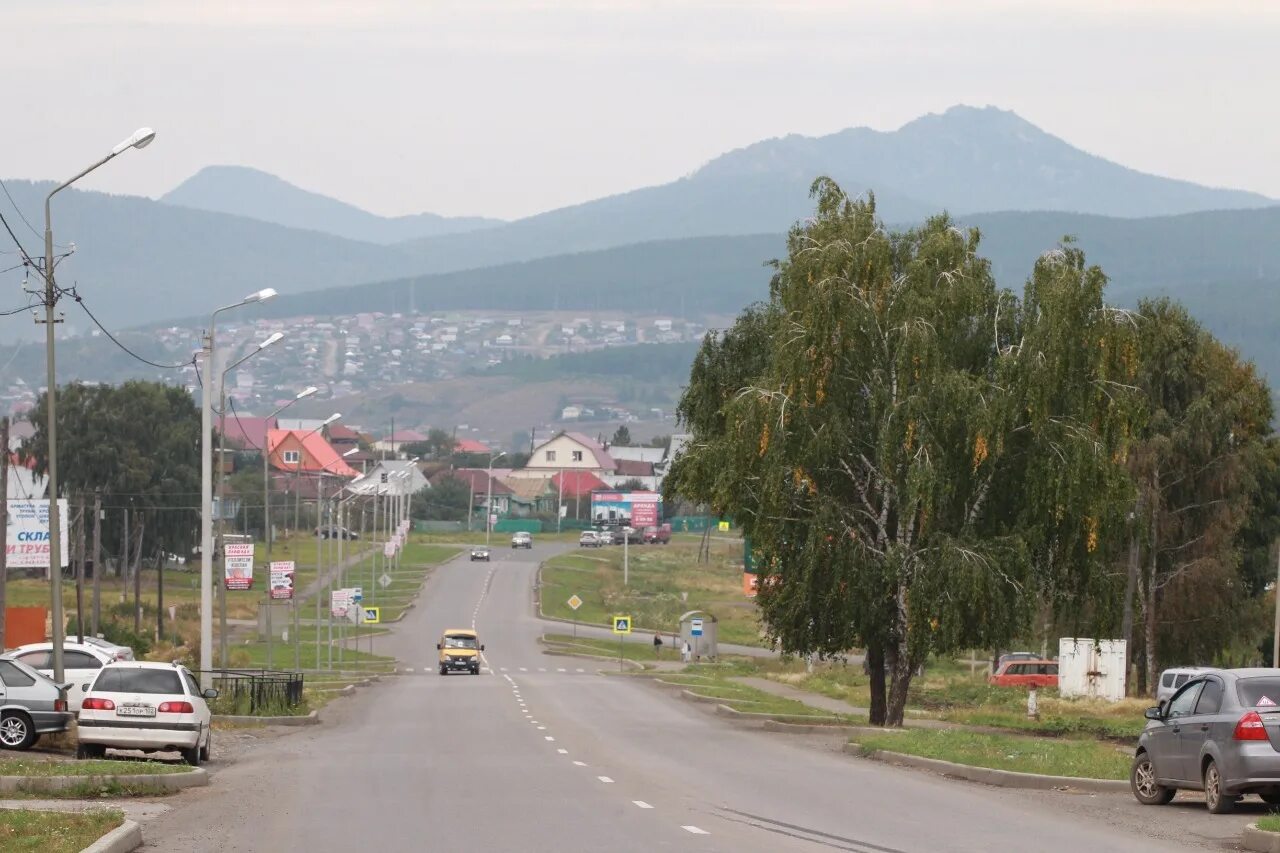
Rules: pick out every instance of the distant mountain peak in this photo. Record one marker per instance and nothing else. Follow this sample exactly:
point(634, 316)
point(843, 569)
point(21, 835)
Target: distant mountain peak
point(246, 191)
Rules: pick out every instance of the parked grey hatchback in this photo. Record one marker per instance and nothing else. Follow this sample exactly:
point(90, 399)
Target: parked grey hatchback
point(30, 705)
point(1219, 734)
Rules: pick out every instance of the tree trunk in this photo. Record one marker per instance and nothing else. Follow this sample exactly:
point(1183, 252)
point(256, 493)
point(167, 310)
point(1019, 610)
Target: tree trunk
point(875, 669)
point(900, 671)
point(1151, 675)
point(1130, 590)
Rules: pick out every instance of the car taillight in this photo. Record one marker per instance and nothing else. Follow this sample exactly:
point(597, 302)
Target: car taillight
point(1250, 727)
point(59, 704)
point(175, 708)
point(95, 704)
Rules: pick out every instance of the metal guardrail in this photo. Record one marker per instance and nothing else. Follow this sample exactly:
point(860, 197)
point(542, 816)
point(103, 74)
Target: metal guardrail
point(251, 690)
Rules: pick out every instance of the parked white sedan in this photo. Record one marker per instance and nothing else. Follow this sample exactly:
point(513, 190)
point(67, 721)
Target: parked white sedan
point(154, 707)
point(81, 663)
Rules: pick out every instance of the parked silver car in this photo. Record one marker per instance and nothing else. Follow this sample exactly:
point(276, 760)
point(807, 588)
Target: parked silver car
point(1219, 734)
point(30, 705)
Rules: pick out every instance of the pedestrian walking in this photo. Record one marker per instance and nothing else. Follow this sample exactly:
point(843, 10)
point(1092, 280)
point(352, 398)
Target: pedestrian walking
point(657, 645)
point(687, 652)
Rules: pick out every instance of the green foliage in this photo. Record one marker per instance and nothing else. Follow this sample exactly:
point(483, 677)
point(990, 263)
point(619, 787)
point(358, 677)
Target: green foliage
point(139, 444)
point(447, 500)
point(919, 456)
point(621, 436)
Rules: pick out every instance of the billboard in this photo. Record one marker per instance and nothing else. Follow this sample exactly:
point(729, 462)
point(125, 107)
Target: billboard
point(237, 563)
point(27, 534)
point(282, 579)
point(632, 509)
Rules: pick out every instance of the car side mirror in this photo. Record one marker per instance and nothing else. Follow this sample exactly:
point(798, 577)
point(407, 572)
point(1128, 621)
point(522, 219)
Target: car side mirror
point(482, 647)
point(84, 687)
point(1156, 713)
point(210, 693)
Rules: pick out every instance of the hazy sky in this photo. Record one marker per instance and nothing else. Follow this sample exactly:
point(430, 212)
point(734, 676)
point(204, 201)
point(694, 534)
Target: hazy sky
point(508, 108)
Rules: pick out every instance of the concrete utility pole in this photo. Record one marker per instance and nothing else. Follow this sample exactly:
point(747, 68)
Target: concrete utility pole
point(97, 561)
point(4, 520)
point(141, 138)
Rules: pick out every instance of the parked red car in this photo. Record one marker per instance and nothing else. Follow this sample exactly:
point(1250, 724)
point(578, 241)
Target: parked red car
point(1026, 673)
point(658, 535)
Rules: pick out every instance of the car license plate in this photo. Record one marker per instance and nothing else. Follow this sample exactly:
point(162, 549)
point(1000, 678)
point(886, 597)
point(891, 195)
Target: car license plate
point(135, 711)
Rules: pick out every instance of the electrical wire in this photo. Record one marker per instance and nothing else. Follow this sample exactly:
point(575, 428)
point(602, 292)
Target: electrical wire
point(18, 210)
point(13, 311)
point(80, 301)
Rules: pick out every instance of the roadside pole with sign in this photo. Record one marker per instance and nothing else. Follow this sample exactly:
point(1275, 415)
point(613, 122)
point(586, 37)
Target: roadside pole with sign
point(695, 629)
point(574, 603)
point(621, 627)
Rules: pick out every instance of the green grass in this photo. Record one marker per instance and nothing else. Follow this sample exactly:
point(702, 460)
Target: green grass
point(634, 649)
point(1085, 759)
point(28, 831)
point(658, 575)
point(1269, 823)
point(713, 683)
point(45, 767)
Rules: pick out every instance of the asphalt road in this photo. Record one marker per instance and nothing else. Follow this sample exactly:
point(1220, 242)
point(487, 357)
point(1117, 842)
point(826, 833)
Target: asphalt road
point(540, 753)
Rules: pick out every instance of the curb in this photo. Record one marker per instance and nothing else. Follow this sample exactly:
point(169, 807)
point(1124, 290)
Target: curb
point(195, 778)
point(311, 719)
point(1259, 839)
point(772, 725)
point(989, 776)
point(124, 838)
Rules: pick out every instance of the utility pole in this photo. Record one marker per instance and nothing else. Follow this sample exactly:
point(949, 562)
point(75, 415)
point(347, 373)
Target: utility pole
point(81, 552)
point(4, 520)
point(97, 561)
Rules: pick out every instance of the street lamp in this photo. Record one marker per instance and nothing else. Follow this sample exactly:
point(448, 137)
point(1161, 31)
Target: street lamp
point(488, 501)
point(206, 484)
point(320, 524)
point(141, 138)
point(222, 464)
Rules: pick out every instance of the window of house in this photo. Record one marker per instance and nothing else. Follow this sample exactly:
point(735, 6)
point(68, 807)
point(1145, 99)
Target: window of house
point(577, 456)
point(292, 457)
point(551, 455)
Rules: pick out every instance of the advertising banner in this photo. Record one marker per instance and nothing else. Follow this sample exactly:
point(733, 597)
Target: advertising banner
point(26, 543)
point(388, 549)
point(339, 601)
point(282, 572)
point(237, 563)
point(632, 509)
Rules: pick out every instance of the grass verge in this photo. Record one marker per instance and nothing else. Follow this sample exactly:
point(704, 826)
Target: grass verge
point(44, 767)
point(634, 650)
point(1078, 758)
point(740, 697)
point(664, 582)
point(23, 830)
point(1269, 823)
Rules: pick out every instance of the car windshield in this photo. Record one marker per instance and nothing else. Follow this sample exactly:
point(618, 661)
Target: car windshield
point(119, 679)
point(459, 642)
point(1259, 692)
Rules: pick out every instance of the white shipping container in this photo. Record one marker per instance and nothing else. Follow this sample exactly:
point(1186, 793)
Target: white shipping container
point(1092, 669)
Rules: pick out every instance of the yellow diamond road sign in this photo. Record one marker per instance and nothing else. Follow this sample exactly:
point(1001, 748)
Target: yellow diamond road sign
point(622, 624)
point(575, 602)
point(372, 615)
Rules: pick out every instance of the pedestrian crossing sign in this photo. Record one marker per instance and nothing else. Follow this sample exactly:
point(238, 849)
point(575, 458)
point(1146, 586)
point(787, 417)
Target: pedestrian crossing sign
point(622, 624)
point(372, 615)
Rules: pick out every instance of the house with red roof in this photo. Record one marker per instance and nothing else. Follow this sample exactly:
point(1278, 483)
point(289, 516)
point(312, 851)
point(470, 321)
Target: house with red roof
point(248, 433)
point(470, 445)
point(302, 460)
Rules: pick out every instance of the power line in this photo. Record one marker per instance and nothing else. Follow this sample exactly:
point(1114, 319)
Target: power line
point(18, 210)
point(80, 301)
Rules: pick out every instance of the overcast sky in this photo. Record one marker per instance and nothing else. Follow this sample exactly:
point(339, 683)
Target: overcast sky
point(507, 108)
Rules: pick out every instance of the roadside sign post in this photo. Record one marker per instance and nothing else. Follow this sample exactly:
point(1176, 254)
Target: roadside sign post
point(621, 627)
point(574, 603)
point(695, 629)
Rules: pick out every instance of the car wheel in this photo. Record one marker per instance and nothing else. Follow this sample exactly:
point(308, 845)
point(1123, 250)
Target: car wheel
point(16, 731)
point(475, 671)
point(88, 751)
point(1214, 797)
point(1271, 799)
point(443, 670)
point(1142, 781)
point(207, 750)
point(192, 756)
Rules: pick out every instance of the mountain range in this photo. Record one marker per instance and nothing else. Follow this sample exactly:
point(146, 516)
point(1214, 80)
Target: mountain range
point(692, 245)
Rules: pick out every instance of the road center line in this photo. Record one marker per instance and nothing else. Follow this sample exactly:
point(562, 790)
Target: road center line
point(580, 763)
point(548, 738)
point(605, 779)
point(642, 804)
point(563, 751)
point(695, 830)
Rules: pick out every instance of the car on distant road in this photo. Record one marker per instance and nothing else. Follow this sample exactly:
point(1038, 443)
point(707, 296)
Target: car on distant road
point(589, 539)
point(336, 532)
point(659, 535)
point(1025, 673)
point(1172, 679)
point(31, 705)
point(81, 663)
point(521, 539)
point(633, 535)
point(480, 552)
point(154, 707)
point(611, 536)
point(459, 650)
point(1220, 733)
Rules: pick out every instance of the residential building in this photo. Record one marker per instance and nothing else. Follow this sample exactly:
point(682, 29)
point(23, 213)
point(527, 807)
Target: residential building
point(300, 460)
point(481, 486)
point(395, 442)
point(532, 495)
point(569, 451)
point(385, 477)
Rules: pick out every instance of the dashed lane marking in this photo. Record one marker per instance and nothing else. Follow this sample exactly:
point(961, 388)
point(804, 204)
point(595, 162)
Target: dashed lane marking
point(549, 738)
point(562, 669)
point(695, 830)
point(563, 751)
point(410, 669)
point(642, 804)
point(580, 763)
point(605, 779)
